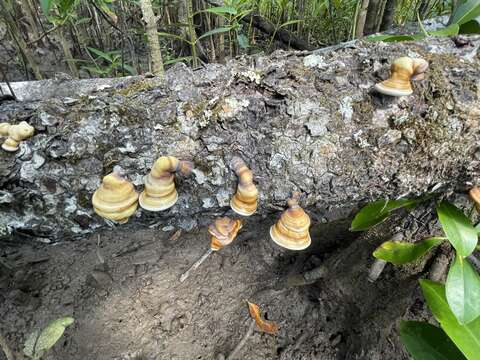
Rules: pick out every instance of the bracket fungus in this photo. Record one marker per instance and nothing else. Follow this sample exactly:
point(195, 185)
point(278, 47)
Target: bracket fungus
point(16, 134)
point(160, 193)
point(245, 200)
point(4, 128)
point(116, 198)
point(223, 231)
point(291, 230)
point(403, 70)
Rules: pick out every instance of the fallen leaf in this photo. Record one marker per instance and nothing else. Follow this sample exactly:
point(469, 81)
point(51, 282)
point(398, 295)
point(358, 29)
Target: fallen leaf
point(267, 326)
point(176, 235)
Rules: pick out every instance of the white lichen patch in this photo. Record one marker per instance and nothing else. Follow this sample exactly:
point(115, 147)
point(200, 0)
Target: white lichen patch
point(232, 106)
point(314, 61)
point(346, 108)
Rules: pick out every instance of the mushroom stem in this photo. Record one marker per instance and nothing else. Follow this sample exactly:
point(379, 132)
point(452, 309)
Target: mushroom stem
point(195, 265)
point(243, 341)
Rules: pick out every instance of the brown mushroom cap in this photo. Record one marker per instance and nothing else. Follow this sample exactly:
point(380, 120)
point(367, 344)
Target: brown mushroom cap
point(223, 231)
point(160, 192)
point(474, 194)
point(403, 70)
point(115, 199)
point(292, 229)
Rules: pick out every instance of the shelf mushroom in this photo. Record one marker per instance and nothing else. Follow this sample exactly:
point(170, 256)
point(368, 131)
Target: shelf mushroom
point(16, 134)
point(160, 193)
point(116, 198)
point(245, 200)
point(403, 70)
point(4, 128)
point(291, 230)
point(222, 233)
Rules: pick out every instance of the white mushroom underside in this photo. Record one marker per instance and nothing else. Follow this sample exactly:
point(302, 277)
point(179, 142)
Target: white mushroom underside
point(155, 208)
point(391, 91)
point(289, 246)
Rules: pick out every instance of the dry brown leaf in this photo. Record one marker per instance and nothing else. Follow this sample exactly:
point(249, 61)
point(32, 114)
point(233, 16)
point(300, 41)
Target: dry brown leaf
point(176, 235)
point(267, 326)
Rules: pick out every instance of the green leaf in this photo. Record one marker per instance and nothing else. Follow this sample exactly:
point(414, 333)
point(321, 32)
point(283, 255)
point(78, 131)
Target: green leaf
point(287, 23)
point(427, 342)
point(458, 228)
point(38, 343)
point(400, 252)
point(222, 10)
point(215, 31)
point(466, 337)
point(46, 4)
point(377, 211)
point(471, 27)
point(393, 38)
point(465, 12)
point(463, 290)
point(29, 347)
point(100, 53)
point(242, 41)
point(164, 34)
point(477, 228)
point(451, 30)
point(52, 333)
point(177, 60)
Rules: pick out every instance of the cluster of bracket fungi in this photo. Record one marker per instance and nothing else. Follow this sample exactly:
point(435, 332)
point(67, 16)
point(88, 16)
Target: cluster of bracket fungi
point(117, 200)
point(15, 134)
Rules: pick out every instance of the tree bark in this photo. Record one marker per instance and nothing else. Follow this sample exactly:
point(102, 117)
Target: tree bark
point(305, 123)
point(153, 42)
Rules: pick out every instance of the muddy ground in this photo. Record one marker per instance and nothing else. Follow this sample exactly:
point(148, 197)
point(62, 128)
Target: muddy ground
point(127, 300)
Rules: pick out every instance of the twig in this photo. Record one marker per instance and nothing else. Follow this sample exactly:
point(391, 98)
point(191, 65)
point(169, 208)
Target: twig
point(195, 265)
point(42, 36)
point(379, 264)
point(8, 83)
point(243, 341)
point(6, 349)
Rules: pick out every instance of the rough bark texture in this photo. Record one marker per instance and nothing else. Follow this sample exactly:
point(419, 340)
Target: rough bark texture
point(302, 121)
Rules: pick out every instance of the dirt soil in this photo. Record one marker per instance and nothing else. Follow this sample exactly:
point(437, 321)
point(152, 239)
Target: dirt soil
point(128, 303)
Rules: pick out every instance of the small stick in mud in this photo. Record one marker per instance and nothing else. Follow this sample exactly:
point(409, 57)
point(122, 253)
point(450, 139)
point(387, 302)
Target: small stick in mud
point(243, 341)
point(378, 265)
point(223, 231)
point(266, 326)
point(195, 265)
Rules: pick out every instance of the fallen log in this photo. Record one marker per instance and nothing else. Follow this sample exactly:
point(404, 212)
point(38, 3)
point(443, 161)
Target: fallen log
point(303, 121)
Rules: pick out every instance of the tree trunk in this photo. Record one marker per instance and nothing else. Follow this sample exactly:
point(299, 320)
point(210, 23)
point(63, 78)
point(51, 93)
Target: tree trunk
point(305, 123)
point(68, 54)
point(152, 36)
point(361, 18)
point(371, 21)
point(388, 15)
point(18, 38)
